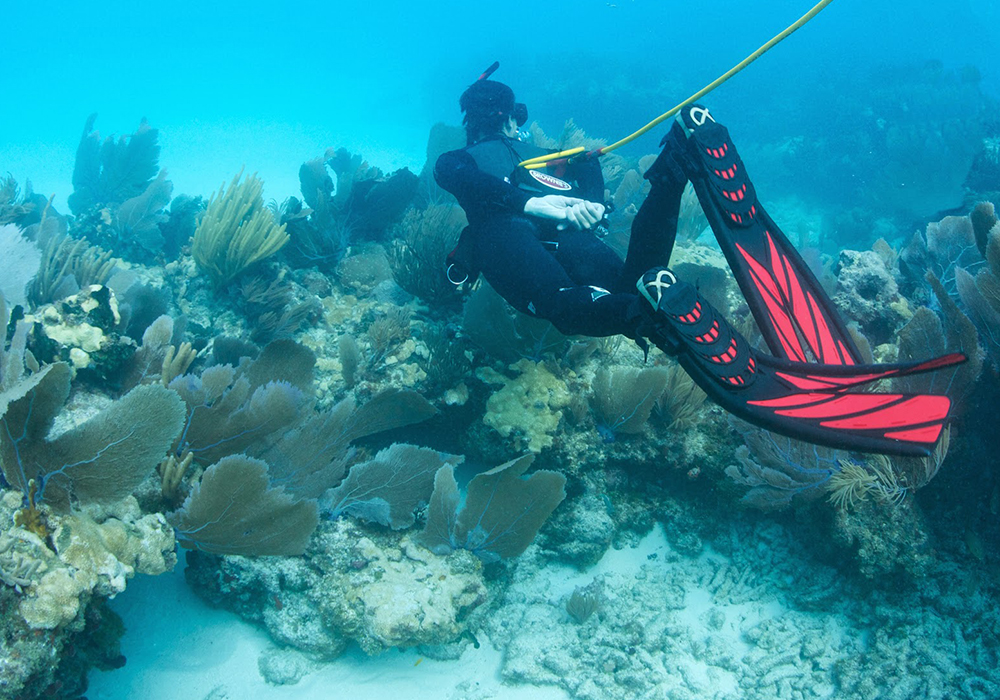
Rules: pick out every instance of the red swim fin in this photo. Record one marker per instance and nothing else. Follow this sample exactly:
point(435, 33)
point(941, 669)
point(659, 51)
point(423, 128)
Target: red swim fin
point(806, 401)
point(797, 319)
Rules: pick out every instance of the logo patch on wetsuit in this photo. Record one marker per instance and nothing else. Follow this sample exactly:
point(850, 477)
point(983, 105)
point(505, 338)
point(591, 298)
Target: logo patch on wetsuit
point(550, 181)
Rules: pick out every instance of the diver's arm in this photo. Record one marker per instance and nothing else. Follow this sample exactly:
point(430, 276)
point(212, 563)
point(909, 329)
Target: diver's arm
point(477, 192)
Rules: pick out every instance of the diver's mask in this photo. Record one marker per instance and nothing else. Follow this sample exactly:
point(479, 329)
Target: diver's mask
point(520, 113)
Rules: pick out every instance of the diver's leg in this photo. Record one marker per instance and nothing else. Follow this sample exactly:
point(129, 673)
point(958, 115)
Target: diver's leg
point(529, 277)
point(589, 260)
point(654, 228)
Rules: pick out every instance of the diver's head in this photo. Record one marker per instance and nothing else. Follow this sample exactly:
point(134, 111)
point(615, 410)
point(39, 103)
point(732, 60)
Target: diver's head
point(490, 109)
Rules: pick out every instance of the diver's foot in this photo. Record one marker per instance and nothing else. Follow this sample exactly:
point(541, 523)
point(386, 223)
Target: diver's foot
point(669, 168)
point(677, 163)
point(650, 322)
point(653, 284)
point(694, 117)
point(715, 159)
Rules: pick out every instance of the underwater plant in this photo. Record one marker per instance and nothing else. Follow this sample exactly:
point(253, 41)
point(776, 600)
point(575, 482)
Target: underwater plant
point(943, 248)
point(111, 172)
point(361, 206)
point(385, 333)
point(855, 480)
point(102, 460)
point(388, 488)
point(235, 231)
point(319, 234)
point(240, 409)
point(981, 293)
point(927, 333)
point(681, 401)
point(67, 266)
point(421, 243)
point(501, 514)
point(118, 197)
point(234, 509)
point(583, 602)
point(314, 455)
point(781, 471)
point(23, 209)
point(623, 397)
point(271, 308)
point(274, 511)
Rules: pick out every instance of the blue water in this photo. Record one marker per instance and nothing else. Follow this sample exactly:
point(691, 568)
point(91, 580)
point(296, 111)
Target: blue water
point(266, 86)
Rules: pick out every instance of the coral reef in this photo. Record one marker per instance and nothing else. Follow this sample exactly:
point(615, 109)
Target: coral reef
point(757, 617)
point(377, 589)
point(54, 588)
point(322, 415)
point(867, 293)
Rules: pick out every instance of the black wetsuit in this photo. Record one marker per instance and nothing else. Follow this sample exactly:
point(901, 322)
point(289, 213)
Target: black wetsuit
point(570, 277)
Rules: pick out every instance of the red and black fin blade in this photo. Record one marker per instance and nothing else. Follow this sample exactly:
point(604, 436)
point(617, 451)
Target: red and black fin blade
point(769, 392)
point(895, 424)
point(798, 320)
point(818, 377)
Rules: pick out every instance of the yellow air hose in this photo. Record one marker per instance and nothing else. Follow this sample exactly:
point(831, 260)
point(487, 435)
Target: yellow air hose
point(543, 161)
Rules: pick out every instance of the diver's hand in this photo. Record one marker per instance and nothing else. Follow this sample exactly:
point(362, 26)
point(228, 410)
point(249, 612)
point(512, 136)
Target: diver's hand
point(568, 211)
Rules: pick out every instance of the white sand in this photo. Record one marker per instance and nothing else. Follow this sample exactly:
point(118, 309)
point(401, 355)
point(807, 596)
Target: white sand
point(178, 647)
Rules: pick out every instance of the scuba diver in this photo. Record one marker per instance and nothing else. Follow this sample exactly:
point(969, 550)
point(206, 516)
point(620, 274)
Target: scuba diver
point(534, 235)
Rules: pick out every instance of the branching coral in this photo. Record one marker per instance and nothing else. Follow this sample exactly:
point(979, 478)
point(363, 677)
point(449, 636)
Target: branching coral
point(422, 241)
point(67, 266)
point(16, 569)
point(236, 231)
